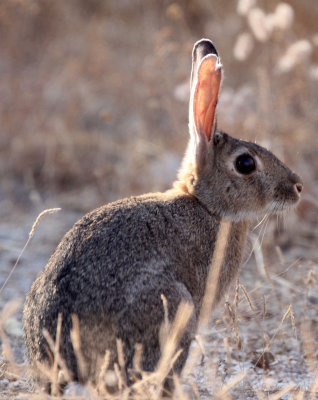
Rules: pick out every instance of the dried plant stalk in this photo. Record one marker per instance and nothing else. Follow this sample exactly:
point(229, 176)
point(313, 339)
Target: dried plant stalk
point(309, 345)
point(210, 289)
point(76, 343)
point(59, 359)
point(314, 387)
point(55, 370)
point(180, 322)
point(259, 258)
point(121, 361)
point(118, 375)
point(138, 357)
point(165, 327)
point(292, 318)
point(232, 383)
point(282, 392)
point(34, 226)
point(104, 367)
point(286, 313)
point(280, 255)
point(228, 352)
point(179, 389)
point(237, 293)
point(247, 298)
point(300, 395)
point(8, 310)
point(200, 343)
point(214, 273)
point(40, 216)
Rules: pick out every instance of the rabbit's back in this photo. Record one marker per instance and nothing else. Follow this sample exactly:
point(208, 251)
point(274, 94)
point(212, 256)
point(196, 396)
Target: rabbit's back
point(151, 234)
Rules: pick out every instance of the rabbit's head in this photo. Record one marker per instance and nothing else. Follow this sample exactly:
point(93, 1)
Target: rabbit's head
point(234, 179)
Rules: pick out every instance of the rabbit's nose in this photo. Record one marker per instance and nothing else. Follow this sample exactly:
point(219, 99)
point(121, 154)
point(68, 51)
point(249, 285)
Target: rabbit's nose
point(298, 183)
point(299, 187)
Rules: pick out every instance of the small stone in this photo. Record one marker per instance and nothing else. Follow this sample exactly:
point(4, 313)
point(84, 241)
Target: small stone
point(13, 327)
point(77, 390)
point(4, 383)
point(269, 383)
point(15, 386)
point(263, 360)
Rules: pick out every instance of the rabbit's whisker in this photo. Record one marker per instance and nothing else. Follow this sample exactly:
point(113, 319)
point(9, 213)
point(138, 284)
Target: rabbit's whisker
point(261, 221)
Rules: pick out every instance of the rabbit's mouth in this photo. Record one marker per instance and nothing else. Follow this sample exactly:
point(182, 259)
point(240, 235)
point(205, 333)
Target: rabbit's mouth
point(286, 195)
point(274, 207)
point(277, 207)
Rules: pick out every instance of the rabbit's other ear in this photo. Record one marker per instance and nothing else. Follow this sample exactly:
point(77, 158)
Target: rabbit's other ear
point(206, 78)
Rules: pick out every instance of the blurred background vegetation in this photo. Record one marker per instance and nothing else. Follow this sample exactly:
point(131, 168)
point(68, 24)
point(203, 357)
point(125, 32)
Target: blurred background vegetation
point(94, 107)
point(94, 94)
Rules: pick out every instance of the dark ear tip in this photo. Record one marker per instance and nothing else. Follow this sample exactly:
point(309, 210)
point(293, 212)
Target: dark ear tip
point(202, 48)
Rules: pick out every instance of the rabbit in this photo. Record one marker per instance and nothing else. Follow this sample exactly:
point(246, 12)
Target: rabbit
point(112, 268)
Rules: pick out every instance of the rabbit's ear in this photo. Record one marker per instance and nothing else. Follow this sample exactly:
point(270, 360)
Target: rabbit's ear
point(205, 84)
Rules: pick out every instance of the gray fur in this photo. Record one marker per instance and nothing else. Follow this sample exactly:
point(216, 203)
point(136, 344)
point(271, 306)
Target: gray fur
point(111, 268)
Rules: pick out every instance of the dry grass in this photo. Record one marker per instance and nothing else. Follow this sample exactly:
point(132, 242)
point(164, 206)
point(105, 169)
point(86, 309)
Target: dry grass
point(84, 82)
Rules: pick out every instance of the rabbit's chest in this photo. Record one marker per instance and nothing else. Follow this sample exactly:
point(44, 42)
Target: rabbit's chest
point(197, 259)
point(233, 256)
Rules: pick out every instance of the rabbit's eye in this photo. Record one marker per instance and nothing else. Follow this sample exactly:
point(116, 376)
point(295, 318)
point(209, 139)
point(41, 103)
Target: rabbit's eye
point(245, 164)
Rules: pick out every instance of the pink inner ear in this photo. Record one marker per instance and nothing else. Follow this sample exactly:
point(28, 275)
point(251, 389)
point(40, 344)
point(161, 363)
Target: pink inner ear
point(206, 95)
